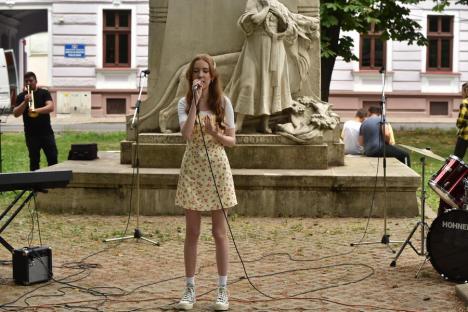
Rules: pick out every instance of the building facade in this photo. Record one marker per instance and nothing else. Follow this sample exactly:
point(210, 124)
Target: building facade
point(420, 81)
point(94, 50)
point(90, 55)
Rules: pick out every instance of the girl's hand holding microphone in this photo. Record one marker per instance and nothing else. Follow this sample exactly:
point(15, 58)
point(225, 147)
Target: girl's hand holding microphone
point(197, 90)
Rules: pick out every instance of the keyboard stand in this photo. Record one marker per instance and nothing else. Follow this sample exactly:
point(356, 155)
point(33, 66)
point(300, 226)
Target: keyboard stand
point(8, 221)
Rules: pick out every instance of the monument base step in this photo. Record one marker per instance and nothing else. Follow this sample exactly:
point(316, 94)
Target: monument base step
point(252, 151)
point(104, 186)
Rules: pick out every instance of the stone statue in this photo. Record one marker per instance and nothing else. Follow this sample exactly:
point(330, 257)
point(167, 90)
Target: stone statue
point(272, 45)
point(276, 40)
point(310, 117)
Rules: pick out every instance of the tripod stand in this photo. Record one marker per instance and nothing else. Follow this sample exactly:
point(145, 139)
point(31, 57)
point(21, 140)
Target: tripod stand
point(385, 237)
point(422, 223)
point(137, 234)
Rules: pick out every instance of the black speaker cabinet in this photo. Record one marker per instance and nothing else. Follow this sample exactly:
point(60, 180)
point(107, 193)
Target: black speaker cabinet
point(32, 265)
point(83, 152)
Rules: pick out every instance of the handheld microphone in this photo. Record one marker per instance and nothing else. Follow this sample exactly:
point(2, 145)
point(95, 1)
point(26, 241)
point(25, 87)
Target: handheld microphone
point(195, 87)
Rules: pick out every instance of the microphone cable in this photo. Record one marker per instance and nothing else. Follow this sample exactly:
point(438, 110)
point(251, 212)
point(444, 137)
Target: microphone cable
point(229, 225)
point(224, 210)
point(374, 190)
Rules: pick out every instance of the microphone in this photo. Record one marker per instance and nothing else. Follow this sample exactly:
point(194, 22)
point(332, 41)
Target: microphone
point(146, 72)
point(382, 69)
point(195, 87)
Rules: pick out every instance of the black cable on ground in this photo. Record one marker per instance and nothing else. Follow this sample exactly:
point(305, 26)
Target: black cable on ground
point(227, 219)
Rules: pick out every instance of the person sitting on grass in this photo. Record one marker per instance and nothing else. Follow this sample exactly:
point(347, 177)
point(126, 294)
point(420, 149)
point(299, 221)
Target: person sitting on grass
point(350, 133)
point(375, 138)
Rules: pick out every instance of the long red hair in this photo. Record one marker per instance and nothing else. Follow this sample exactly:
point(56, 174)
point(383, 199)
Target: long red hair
point(215, 90)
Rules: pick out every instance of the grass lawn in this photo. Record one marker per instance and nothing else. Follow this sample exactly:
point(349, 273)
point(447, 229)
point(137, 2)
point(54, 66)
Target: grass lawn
point(15, 156)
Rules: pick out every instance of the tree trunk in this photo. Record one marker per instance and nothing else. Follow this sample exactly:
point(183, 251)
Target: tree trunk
point(327, 64)
point(327, 70)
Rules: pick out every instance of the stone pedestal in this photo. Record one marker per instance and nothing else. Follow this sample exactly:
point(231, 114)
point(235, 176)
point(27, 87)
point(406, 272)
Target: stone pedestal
point(103, 186)
point(252, 151)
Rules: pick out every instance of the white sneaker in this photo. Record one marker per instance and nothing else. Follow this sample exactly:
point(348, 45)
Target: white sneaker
point(188, 299)
point(222, 301)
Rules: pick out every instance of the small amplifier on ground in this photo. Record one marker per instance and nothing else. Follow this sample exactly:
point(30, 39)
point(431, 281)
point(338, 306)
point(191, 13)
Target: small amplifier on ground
point(32, 265)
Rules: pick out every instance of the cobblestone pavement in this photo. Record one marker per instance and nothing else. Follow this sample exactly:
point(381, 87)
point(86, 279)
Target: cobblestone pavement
point(303, 264)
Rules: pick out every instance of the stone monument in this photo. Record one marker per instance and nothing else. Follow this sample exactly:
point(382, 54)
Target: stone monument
point(274, 60)
point(298, 171)
point(281, 38)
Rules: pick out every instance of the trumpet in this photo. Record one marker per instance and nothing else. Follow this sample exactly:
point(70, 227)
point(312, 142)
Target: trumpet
point(31, 109)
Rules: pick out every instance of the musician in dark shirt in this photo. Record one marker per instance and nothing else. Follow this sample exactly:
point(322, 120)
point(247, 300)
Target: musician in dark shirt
point(35, 106)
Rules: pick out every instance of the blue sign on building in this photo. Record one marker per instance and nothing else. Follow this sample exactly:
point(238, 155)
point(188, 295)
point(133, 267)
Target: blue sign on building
point(75, 50)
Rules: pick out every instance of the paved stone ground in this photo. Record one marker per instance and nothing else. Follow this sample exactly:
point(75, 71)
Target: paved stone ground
point(304, 264)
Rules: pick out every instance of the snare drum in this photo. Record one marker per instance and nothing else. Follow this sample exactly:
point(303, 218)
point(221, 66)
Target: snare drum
point(448, 181)
point(447, 245)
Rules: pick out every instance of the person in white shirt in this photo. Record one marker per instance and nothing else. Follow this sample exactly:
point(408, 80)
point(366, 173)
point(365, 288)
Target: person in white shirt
point(350, 133)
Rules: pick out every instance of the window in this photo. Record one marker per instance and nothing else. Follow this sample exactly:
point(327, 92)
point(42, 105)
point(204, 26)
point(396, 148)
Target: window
point(116, 106)
point(438, 108)
point(372, 50)
point(440, 37)
point(116, 38)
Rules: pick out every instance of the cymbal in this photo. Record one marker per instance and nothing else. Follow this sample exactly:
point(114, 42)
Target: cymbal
point(422, 151)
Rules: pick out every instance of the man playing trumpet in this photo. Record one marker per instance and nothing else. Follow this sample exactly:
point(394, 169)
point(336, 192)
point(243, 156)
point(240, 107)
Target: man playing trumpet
point(35, 104)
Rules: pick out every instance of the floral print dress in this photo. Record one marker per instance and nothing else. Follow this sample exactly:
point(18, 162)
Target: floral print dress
point(196, 189)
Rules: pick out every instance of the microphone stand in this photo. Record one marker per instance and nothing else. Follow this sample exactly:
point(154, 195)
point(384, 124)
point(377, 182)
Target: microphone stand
point(385, 237)
point(137, 234)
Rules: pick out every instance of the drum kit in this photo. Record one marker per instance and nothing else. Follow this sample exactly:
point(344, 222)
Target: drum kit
point(447, 237)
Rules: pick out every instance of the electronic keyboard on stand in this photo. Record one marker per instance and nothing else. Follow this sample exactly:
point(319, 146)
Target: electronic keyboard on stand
point(30, 264)
point(32, 182)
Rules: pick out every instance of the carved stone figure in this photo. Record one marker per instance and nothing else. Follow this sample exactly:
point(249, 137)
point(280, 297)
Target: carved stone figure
point(276, 40)
point(310, 117)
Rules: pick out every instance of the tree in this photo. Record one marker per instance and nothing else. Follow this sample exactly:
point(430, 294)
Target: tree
point(392, 18)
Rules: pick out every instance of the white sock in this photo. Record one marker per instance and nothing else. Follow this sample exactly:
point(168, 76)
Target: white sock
point(190, 281)
point(222, 281)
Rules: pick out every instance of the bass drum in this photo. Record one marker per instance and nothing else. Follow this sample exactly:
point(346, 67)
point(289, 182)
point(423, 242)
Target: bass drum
point(447, 245)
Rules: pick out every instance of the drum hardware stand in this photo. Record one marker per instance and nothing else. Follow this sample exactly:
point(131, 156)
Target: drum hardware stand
point(385, 237)
point(421, 266)
point(137, 234)
point(422, 223)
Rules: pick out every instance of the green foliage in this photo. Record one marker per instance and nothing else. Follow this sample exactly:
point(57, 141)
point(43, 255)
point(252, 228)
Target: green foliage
point(392, 18)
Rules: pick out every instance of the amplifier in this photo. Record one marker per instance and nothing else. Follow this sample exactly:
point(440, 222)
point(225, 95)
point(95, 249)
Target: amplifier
point(83, 152)
point(32, 265)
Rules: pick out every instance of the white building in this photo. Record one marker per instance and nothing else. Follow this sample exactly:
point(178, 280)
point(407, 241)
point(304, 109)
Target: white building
point(420, 81)
point(95, 50)
point(89, 53)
